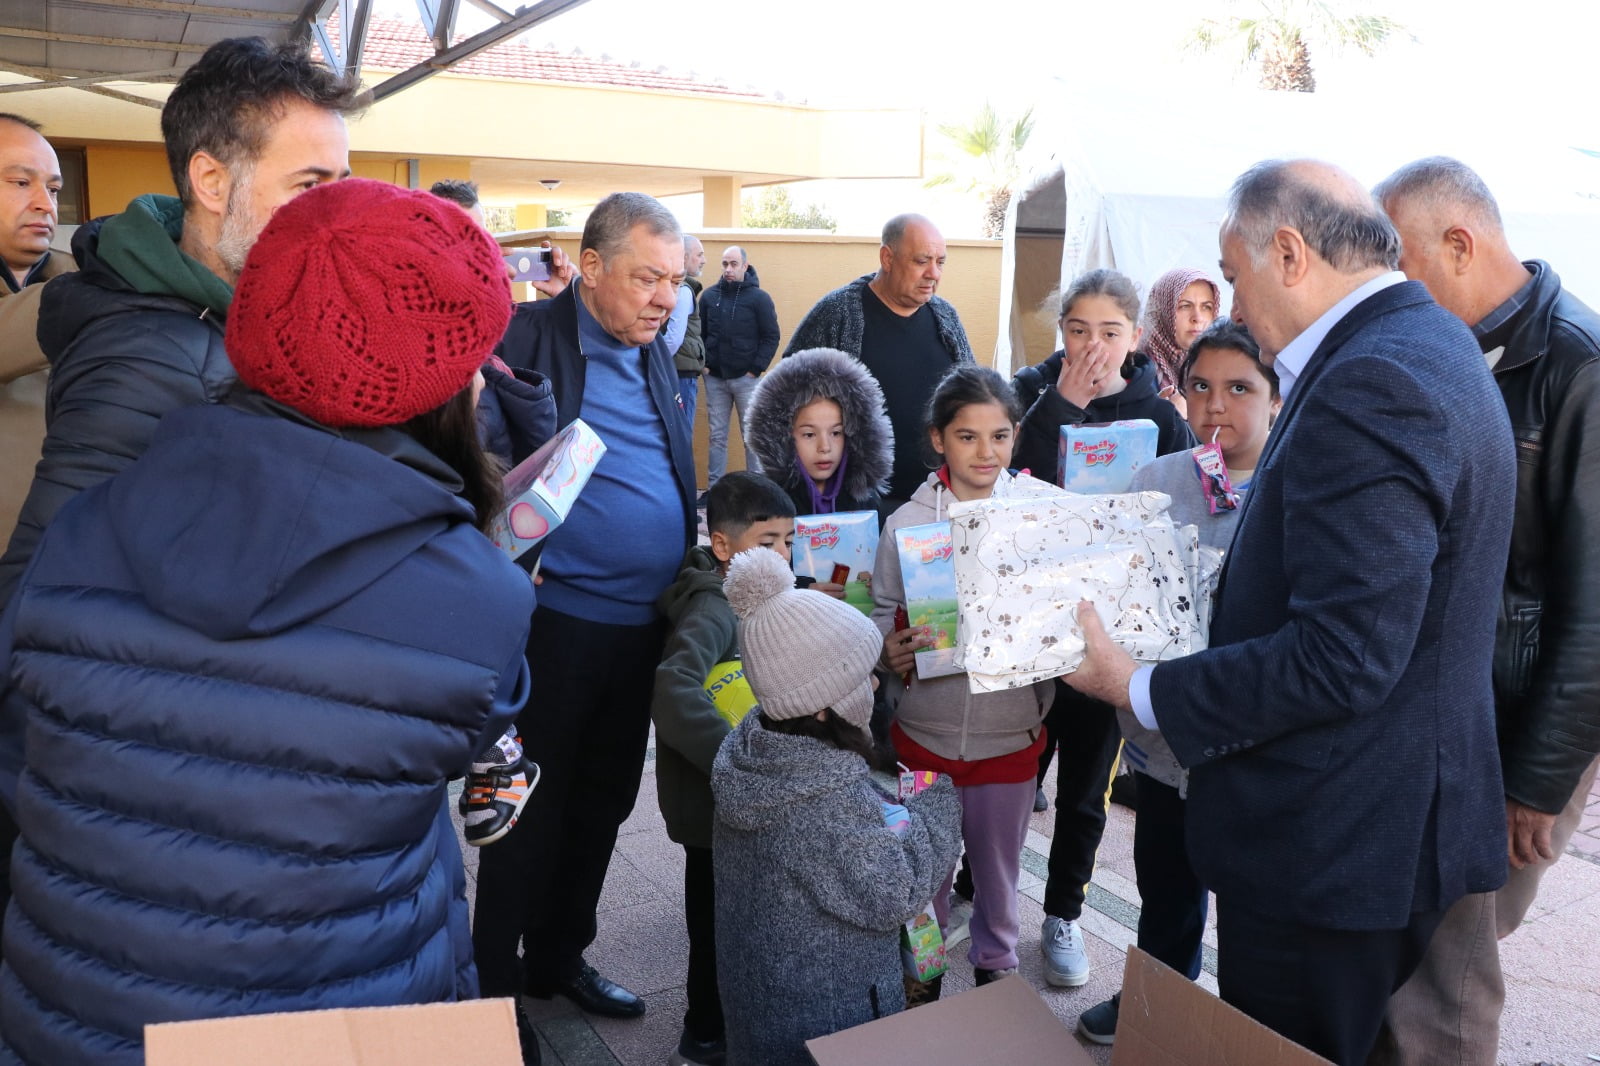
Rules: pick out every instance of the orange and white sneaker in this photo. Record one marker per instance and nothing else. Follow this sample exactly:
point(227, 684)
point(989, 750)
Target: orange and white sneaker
point(497, 788)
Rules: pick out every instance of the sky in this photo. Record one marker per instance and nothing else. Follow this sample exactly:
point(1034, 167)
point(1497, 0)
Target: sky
point(1529, 63)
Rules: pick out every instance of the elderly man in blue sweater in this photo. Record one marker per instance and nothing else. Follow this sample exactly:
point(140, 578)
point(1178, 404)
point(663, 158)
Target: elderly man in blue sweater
point(596, 637)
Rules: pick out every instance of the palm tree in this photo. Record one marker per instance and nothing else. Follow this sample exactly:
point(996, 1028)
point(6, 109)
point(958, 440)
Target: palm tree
point(990, 146)
point(1280, 35)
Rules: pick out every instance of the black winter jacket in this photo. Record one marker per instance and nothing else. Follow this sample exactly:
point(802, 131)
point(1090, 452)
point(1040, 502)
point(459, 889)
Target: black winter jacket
point(1547, 642)
point(119, 360)
point(1038, 444)
point(739, 325)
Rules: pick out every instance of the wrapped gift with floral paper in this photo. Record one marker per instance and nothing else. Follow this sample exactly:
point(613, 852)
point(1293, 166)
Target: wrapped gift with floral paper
point(1022, 566)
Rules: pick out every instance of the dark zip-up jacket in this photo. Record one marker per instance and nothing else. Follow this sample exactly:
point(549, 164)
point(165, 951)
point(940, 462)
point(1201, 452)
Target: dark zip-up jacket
point(1547, 641)
point(543, 336)
point(739, 325)
point(119, 360)
point(1038, 442)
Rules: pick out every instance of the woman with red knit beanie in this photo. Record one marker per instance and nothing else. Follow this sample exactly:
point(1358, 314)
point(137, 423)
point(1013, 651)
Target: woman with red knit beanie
point(251, 662)
point(1182, 303)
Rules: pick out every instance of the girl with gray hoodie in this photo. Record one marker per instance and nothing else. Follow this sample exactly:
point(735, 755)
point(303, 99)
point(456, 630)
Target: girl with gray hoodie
point(989, 744)
point(812, 886)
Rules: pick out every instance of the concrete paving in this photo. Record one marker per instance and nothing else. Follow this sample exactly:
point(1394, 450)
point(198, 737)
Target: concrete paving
point(1552, 964)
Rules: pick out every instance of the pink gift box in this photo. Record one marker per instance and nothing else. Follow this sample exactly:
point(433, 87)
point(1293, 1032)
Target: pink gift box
point(541, 489)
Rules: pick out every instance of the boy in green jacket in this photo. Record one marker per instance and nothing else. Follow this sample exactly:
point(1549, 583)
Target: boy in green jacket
point(743, 511)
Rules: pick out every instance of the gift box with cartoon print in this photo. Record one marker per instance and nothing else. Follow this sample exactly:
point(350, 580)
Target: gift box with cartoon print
point(1101, 457)
point(541, 489)
point(839, 548)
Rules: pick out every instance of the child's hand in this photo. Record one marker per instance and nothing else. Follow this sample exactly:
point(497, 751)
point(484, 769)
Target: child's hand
point(829, 588)
point(1080, 379)
point(900, 647)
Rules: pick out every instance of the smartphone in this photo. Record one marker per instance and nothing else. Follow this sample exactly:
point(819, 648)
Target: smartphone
point(529, 264)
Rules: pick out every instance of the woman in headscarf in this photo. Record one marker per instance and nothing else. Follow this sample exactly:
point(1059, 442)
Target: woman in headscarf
point(1182, 303)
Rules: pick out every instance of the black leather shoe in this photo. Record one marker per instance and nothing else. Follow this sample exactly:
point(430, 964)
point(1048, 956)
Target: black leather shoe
point(594, 994)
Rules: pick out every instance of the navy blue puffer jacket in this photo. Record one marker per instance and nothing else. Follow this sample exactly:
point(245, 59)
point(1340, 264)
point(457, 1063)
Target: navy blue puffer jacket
point(250, 663)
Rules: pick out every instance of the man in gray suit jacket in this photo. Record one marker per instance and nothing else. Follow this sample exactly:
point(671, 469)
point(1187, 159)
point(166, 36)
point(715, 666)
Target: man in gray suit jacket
point(1344, 784)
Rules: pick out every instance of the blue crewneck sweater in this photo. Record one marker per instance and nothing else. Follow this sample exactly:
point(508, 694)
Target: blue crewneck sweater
point(621, 545)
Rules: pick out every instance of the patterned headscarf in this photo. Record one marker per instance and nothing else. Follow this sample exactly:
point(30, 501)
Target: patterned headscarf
point(1160, 320)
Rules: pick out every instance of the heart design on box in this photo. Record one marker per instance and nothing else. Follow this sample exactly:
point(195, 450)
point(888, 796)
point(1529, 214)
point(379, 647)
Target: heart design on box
point(527, 523)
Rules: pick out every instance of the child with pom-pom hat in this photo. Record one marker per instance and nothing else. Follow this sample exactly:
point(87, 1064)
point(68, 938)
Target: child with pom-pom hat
point(812, 886)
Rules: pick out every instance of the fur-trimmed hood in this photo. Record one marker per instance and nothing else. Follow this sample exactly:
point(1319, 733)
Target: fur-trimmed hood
point(823, 373)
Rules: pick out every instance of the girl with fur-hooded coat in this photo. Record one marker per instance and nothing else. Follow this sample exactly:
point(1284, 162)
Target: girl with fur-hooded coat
point(859, 470)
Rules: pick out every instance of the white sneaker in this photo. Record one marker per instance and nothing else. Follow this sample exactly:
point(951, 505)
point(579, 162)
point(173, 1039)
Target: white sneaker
point(1066, 964)
point(960, 921)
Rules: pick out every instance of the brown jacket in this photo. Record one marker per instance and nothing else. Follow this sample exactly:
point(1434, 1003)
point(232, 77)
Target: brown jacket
point(22, 404)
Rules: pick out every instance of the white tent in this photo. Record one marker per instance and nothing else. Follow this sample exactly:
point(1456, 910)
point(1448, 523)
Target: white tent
point(1120, 195)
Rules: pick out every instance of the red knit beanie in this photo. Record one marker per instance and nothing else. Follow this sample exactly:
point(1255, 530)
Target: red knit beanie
point(365, 304)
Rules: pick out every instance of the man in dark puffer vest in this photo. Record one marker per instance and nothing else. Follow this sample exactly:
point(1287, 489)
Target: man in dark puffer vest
point(253, 660)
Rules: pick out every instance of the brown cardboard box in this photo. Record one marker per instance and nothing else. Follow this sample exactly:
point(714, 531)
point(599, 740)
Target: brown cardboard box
point(482, 1031)
point(1002, 1022)
point(1168, 1020)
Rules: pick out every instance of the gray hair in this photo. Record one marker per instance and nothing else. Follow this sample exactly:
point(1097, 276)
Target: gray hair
point(613, 220)
point(1349, 237)
point(895, 228)
point(1439, 181)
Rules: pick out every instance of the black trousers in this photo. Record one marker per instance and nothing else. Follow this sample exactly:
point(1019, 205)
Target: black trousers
point(587, 724)
point(703, 1019)
point(1172, 911)
point(1088, 742)
point(1325, 989)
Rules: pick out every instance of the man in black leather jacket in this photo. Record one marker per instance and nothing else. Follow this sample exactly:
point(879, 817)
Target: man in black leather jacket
point(1543, 345)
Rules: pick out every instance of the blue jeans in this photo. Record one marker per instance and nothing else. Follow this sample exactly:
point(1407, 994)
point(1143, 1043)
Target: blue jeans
point(689, 392)
point(721, 396)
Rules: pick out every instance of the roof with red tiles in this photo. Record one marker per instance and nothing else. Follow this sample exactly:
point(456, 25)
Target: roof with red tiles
point(399, 44)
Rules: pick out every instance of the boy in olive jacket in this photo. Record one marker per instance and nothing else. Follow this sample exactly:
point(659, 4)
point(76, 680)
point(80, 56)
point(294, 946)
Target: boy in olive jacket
point(743, 511)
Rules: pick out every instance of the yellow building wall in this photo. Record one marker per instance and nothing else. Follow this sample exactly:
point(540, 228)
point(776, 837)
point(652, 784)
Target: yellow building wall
point(115, 174)
point(796, 271)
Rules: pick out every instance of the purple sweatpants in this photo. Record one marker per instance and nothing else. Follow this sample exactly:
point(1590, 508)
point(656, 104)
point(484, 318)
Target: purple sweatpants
point(994, 827)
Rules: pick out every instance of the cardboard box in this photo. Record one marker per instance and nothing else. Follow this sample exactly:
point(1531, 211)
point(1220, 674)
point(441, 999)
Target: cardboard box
point(541, 489)
point(839, 548)
point(1002, 1022)
point(1100, 457)
point(482, 1031)
point(1168, 1020)
point(929, 578)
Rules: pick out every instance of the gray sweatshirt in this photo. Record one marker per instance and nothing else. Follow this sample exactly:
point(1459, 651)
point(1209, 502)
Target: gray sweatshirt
point(1176, 475)
point(941, 713)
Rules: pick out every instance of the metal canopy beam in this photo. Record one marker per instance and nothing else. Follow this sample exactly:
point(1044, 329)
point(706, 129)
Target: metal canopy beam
point(353, 31)
point(444, 26)
point(494, 11)
point(212, 10)
point(525, 19)
point(110, 42)
point(298, 20)
point(76, 82)
point(98, 90)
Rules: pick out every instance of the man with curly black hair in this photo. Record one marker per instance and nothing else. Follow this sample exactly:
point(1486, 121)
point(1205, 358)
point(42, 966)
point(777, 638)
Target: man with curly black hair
point(137, 331)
